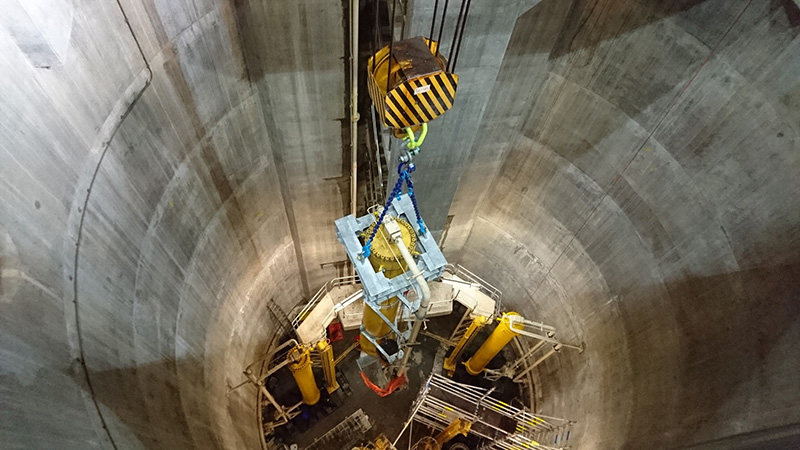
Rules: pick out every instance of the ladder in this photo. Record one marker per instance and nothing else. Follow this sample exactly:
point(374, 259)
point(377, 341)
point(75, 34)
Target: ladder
point(461, 328)
point(280, 316)
point(501, 425)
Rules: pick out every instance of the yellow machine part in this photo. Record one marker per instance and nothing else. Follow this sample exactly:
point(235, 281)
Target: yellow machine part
point(427, 443)
point(419, 88)
point(380, 443)
point(385, 256)
point(328, 366)
point(501, 336)
point(472, 331)
point(456, 427)
point(304, 374)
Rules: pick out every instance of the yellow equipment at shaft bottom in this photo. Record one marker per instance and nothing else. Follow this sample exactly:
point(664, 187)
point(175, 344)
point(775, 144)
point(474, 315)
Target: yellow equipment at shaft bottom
point(501, 336)
point(472, 331)
point(304, 374)
point(456, 427)
point(385, 257)
point(380, 443)
point(328, 365)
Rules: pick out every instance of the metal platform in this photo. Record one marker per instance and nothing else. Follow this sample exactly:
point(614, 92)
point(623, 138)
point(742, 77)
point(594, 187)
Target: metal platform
point(441, 401)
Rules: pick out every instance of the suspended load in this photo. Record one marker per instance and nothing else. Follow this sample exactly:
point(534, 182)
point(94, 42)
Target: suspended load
point(409, 83)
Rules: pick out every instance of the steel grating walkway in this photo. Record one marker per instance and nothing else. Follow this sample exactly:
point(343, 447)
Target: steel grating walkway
point(442, 400)
point(344, 435)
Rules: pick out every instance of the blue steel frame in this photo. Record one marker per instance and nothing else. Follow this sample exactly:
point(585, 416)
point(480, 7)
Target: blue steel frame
point(377, 287)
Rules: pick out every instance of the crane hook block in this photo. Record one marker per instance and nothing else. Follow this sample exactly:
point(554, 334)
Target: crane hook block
point(408, 83)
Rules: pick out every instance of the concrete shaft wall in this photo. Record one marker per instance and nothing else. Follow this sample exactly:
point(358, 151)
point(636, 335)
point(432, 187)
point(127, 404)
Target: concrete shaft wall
point(143, 217)
point(632, 180)
point(644, 200)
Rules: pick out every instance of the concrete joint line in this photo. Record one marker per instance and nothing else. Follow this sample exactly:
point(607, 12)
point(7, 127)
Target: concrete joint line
point(82, 192)
point(644, 143)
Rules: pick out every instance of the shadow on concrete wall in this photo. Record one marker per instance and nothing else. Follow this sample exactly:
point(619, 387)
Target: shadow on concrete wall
point(146, 399)
point(590, 22)
point(735, 335)
point(792, 9)
point(287, 37)
point(165, 405)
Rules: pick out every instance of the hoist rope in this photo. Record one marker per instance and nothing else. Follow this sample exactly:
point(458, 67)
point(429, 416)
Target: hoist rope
point(461, 35)
point(374, 43)
point(455, 34)
point(391, 41)
point(441, 27)
point(433, 26)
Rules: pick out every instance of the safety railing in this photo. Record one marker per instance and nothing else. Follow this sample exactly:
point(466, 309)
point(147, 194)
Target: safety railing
point(322, 292)
point(452, 269)
point(351, 315)
point(441, 400)
point(491, 291)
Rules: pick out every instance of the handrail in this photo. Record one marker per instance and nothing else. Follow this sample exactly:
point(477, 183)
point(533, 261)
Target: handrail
point(532, 430)
point(491, 291)
point(324, 290)
point(454, 269)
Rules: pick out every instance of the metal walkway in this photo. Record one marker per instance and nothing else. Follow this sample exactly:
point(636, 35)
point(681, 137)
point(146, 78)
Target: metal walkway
point(343, 436)
point(442, 400)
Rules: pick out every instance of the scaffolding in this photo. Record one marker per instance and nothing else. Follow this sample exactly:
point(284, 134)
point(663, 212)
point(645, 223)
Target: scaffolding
point(441, 401)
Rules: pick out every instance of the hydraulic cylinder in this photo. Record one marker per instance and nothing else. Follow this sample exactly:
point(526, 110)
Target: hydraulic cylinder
point(328, 366)
point(501, 336)
point(456, 427)
point(304, 374)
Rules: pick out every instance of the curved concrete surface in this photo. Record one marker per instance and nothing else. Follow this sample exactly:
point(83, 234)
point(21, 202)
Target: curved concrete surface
point(633, 182)
point(645, 202)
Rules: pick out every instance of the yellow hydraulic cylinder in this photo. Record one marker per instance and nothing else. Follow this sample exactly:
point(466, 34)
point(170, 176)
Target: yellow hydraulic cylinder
point(304, 374)
point(501, 336)
point(472, 331)
point(376, 326)
point(328, 366)
point(385, 256)
point(456, 427)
